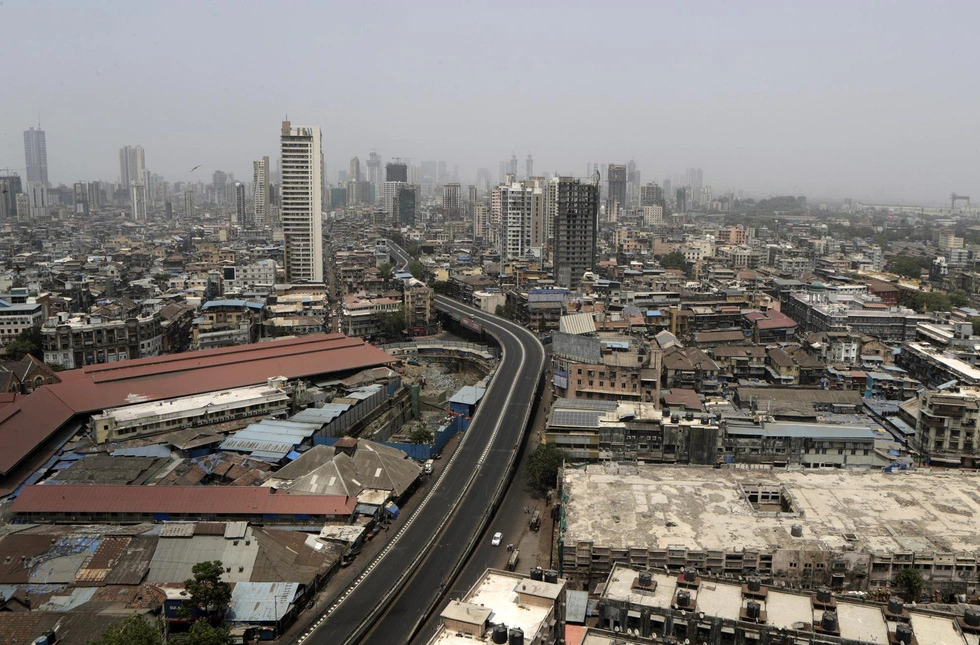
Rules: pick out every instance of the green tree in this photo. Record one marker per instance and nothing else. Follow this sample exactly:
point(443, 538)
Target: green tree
point(909, 267)
point(27, 342)
point(542, 466)
point(674, 260)
point(204, 633)
point(387, 271)
point(911, 580)
point(420, 435)
point(415, 268)
point(391, 324)
point(206, 591)
point(131, 630)
point(959, 298)
point(440, 287)
point(976, 326)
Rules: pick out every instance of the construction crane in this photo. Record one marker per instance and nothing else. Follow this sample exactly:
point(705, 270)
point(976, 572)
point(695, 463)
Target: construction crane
point(953, 198)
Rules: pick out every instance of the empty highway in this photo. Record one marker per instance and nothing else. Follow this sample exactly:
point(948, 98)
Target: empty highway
point(398, 589)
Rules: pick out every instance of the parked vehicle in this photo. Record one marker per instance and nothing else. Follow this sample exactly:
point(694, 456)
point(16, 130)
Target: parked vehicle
point(535, 520)
point(515, 557)
point(497, 539)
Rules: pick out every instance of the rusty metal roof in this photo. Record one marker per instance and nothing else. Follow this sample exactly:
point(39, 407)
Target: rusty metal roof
point(29, 422)
point(199, 500)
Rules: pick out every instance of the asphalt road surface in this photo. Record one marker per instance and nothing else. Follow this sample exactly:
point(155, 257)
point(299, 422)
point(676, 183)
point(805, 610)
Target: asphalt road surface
point(396, 592)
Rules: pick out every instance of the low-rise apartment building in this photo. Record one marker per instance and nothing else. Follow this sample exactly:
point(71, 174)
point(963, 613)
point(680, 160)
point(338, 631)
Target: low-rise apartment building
point(77, 341)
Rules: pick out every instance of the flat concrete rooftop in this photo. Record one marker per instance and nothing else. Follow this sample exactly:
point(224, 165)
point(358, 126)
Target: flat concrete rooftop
point(859, 622)
point(654, 506)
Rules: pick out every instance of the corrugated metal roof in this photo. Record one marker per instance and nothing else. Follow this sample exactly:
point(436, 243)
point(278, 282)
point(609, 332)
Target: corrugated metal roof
point(468, 395)
point(261, 602)
point(201, 500)
point(803, 431)
point(581, 323)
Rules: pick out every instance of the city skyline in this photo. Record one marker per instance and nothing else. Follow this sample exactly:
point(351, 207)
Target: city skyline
point(828, 102)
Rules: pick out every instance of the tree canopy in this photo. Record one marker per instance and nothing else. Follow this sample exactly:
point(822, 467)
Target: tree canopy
point(27, 342)
point(542, 466)
point(131, 630)
point(909, 267)
point(911, 579)
point(674, 260)
point(420, 435)
point(204, 633)
point(391, 324)
point(415, 268)
point(387, 271)
point(206, 590)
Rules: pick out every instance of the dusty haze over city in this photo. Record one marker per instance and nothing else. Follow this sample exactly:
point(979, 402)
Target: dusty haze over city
point(873, 101)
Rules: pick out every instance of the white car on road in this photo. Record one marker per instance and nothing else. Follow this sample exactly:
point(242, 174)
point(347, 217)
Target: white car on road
point(497, 538)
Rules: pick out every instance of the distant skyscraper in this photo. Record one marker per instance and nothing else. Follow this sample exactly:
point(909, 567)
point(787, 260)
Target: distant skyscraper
point(396, 171)
point(681, 200)
point(302, 202)
point(132, 165)
point(483, 180)
point(374, 174)
point(137, 191)
point(443, 175)
point(632, 183)
point(528, 166)
point(37, 195)
point(512, 166)
point(651, 195)
point(36, 156)
point(10, 187)
point(188, 204)
point(390, 197)
point(451, 201)
point(576, 217)
point(355, 170)
point(239, 203)
point(260, 194)
point(616, 180)
point(405, 205)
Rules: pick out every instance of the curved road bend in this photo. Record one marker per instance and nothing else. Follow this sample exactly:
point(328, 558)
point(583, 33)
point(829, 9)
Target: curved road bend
point(391, 598)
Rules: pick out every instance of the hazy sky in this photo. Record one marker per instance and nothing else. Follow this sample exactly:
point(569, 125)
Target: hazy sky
point(876, 101)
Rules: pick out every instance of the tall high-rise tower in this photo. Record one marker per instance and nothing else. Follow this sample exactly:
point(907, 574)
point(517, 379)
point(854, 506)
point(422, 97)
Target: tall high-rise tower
point(528, 166)
point(355, 170)
point(396, 171)
point(451, 202)
point(301, 202)
point(260, 194)
point(374, 174)
point(239, 217)
point(617, 185)
point(132, 165)
point(36, 156)
point(576, 212)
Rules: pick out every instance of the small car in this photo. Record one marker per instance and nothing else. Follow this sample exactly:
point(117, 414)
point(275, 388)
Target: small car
point(497, 538)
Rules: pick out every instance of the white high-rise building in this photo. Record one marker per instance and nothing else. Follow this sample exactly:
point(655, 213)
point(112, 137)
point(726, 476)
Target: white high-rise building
point(301, 200)
point(137, 191)
point(260, 194)
point(518, 206)
point(37, 194)
point(390, 196)
point(132, 165)
point(36, 156)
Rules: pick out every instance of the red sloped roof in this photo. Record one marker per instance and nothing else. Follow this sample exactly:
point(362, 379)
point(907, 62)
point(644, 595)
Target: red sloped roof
point(30, 421)
point(195, 500)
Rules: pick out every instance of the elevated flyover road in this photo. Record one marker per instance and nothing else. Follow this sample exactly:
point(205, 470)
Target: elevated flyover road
point(397, 591)
point(398, 254)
